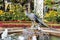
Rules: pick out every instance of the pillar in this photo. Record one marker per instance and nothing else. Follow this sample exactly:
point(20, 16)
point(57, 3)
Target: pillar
point(38, 8)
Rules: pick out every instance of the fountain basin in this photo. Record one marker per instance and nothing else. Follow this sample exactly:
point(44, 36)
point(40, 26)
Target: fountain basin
point(17, 31)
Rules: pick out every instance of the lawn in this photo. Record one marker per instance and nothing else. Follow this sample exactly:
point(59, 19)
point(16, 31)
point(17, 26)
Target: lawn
point(55, 38)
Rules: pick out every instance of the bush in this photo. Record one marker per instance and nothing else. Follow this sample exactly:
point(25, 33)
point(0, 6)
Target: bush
point(58, 19)
point(51, 16)
point(15, 13)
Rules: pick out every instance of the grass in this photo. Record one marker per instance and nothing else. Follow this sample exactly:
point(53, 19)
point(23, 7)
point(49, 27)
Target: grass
point(55, 38)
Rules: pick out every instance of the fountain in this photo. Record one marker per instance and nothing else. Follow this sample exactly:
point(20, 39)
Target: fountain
point(21, 38)
point(33, 34)
point(34, 37)
point(4, 34)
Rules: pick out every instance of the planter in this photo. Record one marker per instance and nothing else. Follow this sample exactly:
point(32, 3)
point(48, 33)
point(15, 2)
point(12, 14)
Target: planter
point(1, 24)
point(15, 24)
point(54, 25)
point(15, 21)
